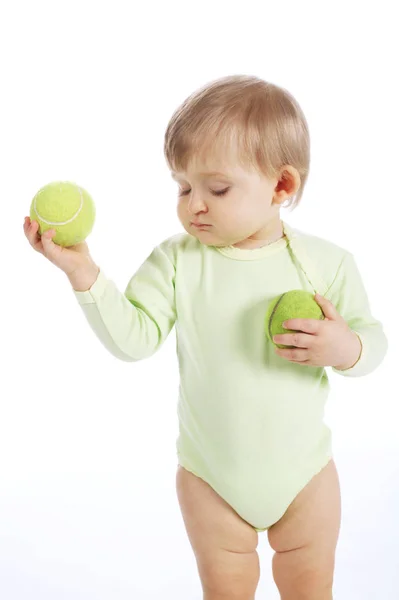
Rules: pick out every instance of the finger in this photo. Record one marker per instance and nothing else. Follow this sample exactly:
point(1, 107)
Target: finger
point(33, 227)
point(47, 241)
point(27, 224)
point(311, 326)
point(299, 340)
point(328, 308)
point(32, 233)
point(299, 355)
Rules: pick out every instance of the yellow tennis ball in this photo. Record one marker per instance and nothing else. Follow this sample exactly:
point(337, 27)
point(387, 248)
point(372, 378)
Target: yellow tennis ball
point(65, 207)
point(295, 304)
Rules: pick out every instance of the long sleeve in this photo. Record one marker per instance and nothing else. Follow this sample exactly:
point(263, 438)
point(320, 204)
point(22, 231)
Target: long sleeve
point(349, 296)
point(133, 325)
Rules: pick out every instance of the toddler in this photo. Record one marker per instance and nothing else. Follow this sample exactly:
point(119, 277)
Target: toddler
point(254, 453)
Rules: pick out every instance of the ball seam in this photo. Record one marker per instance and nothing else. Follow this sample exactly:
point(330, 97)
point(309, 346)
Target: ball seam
point(58, 223)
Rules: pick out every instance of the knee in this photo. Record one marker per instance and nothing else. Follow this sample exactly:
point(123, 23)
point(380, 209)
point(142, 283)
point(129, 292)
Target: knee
point(300, 578)
point(314, 585)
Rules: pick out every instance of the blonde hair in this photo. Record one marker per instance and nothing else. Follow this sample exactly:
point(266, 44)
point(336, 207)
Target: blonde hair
point(262, 120)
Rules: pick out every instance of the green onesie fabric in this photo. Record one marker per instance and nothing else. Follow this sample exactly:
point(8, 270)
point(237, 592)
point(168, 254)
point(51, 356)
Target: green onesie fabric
point(251, 424)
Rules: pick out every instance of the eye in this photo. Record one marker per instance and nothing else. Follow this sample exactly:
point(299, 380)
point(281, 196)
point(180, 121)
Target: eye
point(220, 193)
point(214, 193)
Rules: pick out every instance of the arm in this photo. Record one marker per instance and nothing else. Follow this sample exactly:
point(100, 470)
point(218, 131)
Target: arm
point(349, 296)
point(131, 325)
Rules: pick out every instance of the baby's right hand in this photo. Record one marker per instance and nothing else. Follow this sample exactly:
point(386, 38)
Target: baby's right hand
point(71, 260)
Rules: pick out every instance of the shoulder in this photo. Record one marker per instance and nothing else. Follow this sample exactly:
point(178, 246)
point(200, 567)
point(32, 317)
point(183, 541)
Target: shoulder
point(319, 257)
point(180, 244)
point(319, 247)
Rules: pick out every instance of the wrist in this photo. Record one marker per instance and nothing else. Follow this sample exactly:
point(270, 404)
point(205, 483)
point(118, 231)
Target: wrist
point(82, 278)
point(354, 351)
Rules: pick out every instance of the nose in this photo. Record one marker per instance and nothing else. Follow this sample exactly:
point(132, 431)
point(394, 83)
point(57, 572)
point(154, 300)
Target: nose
point(196, 204)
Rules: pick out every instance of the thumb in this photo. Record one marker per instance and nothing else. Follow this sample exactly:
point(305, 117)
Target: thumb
point(328, 308)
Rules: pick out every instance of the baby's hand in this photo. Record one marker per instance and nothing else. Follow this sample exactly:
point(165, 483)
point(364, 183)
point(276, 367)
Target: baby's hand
point(321, 343)
point(67, 259)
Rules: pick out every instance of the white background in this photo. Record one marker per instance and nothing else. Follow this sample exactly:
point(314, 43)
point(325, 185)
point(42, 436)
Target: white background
point(87, 443)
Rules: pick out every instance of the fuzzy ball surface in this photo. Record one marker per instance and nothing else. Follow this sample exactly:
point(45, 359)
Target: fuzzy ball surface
point(65, 207)
point(295, 304)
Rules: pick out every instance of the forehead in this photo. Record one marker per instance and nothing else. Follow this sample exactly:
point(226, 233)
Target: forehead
point(229, 168)
point(212, 160)
point(204, 174)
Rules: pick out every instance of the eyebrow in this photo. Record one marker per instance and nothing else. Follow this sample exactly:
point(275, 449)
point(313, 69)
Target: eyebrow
point(207, 174)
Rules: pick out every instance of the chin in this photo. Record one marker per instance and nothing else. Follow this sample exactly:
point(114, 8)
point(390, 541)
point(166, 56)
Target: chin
point(207, 239)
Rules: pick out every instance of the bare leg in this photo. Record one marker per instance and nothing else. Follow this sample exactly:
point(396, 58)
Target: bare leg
point(223, 543)
point(305, 540)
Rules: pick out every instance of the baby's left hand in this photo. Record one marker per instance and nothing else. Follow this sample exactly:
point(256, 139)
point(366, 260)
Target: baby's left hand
point(321, 343)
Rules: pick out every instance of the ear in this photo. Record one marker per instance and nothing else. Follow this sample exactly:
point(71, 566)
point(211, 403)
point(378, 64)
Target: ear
point(288, 184)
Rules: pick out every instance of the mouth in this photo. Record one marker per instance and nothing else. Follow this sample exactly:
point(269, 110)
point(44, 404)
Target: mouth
point(199, 225)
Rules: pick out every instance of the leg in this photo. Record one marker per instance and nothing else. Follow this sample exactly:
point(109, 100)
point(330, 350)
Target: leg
point(305, 540)
point(223, 543)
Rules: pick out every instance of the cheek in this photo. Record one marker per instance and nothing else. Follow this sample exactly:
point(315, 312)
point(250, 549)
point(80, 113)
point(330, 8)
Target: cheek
point(250, 210)
point(181, 210)
point(238, 212)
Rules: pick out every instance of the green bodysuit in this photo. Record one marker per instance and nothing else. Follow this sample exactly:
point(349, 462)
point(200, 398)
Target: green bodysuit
point(251, 424)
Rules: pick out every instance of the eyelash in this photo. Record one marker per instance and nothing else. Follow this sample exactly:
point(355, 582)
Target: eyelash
point(221, 193)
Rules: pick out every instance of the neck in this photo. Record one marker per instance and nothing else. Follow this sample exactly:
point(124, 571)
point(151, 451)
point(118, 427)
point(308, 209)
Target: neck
point(272, 232)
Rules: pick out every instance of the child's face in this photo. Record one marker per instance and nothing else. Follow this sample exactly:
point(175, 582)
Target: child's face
point(234, 205)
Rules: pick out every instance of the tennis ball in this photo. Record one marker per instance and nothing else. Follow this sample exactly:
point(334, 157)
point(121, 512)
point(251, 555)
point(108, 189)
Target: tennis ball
point(295, 304)
point(65, 207)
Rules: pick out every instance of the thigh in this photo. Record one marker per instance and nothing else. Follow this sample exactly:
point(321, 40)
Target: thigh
point(306, 537)
point(223, 543)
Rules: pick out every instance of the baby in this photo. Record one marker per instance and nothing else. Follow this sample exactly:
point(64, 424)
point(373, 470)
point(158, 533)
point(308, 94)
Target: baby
point(254, 453)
